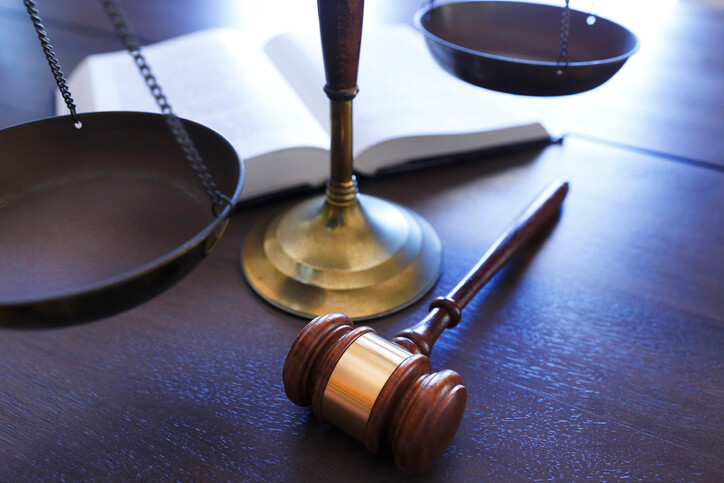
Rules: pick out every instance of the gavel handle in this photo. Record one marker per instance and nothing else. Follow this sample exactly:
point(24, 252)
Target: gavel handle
point(445, 312)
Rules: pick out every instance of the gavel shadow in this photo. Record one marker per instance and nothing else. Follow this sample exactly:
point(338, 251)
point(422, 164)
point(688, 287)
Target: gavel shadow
point(494, 299)
point(326, 444)
point(341, 450)
point(322, 442)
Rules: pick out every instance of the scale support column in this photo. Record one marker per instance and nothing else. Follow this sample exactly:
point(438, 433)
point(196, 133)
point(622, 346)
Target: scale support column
point(342, 251)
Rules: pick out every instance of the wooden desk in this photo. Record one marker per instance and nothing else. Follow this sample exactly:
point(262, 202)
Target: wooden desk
point(597, 354)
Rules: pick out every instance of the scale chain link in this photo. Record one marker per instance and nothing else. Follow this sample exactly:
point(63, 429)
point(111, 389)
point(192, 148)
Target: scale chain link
point(133, 46)
point(565, 29)
point(49, 53)
point(562, 61)
point(131, 43)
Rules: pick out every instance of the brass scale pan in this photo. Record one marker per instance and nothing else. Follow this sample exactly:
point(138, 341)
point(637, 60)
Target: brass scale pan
point(97, 220)
point(514, 47)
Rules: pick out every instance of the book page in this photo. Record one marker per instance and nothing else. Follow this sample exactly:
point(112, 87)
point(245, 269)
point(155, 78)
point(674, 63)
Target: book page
point(405, 97)
point(298, 57)
point(220, 78)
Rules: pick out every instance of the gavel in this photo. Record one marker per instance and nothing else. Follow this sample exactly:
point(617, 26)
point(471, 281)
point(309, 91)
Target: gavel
point(385, 393)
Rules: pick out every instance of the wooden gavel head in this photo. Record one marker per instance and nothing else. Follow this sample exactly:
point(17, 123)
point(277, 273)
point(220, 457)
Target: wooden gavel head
point(375, 390)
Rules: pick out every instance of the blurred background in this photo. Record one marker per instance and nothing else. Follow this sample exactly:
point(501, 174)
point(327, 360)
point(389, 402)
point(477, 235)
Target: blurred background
point(656, 22)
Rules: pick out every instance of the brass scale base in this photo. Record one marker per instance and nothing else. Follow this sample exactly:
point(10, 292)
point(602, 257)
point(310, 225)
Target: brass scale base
point(366, 259)
point(342, 252)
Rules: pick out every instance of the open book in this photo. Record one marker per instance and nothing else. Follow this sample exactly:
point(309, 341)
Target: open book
point(267, 99)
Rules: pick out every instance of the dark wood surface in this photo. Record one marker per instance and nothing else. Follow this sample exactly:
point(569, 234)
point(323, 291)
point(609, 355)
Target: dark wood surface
point(597, 353)
point(446, 311)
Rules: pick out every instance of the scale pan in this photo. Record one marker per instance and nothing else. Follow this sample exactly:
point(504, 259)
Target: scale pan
point(514, 46)
point(96, 220)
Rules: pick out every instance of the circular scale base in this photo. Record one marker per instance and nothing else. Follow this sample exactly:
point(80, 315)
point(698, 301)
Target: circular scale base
point(365, 260)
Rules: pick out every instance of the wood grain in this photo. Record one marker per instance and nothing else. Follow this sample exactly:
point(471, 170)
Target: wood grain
point(445, 311)
point(340, 25)
point(312, 346)
point(598, 353)
point(427, 421)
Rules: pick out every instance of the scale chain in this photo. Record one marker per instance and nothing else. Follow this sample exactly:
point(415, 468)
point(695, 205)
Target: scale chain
point(32, 9)
point(565, 29)
point(131, 43)
point(562, 61)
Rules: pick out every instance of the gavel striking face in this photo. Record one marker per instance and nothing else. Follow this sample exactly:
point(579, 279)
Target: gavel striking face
point(375, 390)
point(385, 393)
